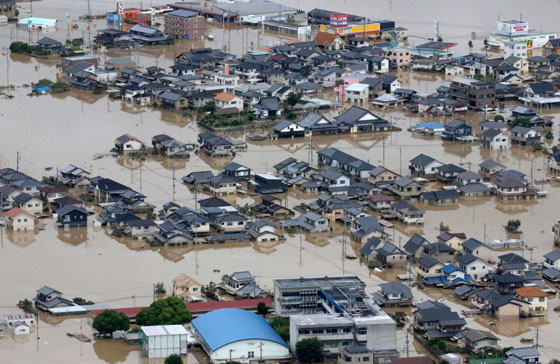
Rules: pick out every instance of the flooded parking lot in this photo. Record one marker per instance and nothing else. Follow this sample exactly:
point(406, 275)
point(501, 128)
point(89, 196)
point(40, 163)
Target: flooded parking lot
point(55, 130)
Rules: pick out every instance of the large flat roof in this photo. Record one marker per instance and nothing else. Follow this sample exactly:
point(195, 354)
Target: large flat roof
point(253, 7)
point(164, 330)
point(318, 282)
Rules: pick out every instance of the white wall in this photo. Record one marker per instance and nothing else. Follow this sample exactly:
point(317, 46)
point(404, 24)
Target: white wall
point(242, 348)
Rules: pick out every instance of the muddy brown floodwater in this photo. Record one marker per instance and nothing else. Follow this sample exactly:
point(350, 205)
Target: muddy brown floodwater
point(54, 130)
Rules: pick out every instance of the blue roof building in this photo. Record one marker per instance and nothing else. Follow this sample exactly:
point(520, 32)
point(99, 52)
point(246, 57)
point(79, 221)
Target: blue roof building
point(232, 334)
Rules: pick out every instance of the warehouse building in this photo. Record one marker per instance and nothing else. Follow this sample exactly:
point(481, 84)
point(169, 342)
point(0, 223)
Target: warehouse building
point(237, 335)
point(162, 341)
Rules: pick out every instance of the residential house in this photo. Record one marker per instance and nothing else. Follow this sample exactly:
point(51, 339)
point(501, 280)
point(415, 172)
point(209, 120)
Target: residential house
point(288, 129)
point(478, 249)
point(228, 101)
point(317, 124)
point(141, 229)
point(437, 320)
point(381, 175)
point(368, 250)
point(537, 298)
point(467, 177)
point(215, 145)
point(49, 194)
point(391, 256)
point(513, 263)
point(186, 288)
point(231, 222)
point(71, 216)
point(474, 266)
point(482, 298)
point(264, 183)
point(333, 178)
point(329, 41)
point(406, 188)
point(351, 165)
point(435, 198)
point(489, 168)
point(553, 162)
point(127, 143)
point(495, 139)
point(507, 283)
point(365, 228)
point(414, 247)
point(357, 93)
point(439, 251)
point(29, 203)
point(447, 173)
point(424, 166)
point(477, 340)
point(241, 284)
point(456, 129)
point(222, 185)
point(508, 307)
point(238, 171)
point(527, 355)
point(393, 294)
point(18, 219)
point(310, 222)
point(454, 240)
point(355, 355)
point(521, 135)
point(360, 120)
point(268, 107)
point(407, 214)
point(263, 231)
point(380, 201)
point(552, 259)
point(400, 58)
point(429, 267)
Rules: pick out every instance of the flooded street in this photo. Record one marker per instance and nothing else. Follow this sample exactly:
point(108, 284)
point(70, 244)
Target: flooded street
point(56, 130)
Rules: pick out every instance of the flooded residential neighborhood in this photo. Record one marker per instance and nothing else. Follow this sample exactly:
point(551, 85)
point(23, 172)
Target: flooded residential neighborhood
point(252, 181)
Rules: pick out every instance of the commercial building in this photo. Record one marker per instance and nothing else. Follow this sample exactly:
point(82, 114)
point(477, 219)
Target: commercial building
point(338, 312)
point(476, 94)
point(306, 295)
point(518, 31)
point(237, 335)
point(37, 23)
point(162, 341)
point(185, 24)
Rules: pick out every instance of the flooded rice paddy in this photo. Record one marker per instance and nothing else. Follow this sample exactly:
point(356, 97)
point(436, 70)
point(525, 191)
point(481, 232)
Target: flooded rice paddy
point(55, 130)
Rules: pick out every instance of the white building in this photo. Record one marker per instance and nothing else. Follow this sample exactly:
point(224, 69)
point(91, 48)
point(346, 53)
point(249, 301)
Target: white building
point(516, 49)
point(162, 341)
point(238, 335)
point(20, 328)
point(27, 318)
point(37, 23)
point(357, 93)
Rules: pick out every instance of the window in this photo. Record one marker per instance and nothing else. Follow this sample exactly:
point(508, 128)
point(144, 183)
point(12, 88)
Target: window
point(362, 331)
point(250, 354)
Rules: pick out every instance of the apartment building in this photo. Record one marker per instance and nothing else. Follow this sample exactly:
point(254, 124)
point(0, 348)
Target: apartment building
point(476, 94)
point(185, 24)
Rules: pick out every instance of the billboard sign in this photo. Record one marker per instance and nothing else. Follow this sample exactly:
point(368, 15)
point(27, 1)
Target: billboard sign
point(339, 20)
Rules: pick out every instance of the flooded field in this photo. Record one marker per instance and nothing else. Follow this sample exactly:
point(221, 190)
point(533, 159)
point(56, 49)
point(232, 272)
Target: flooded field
point(55, 130)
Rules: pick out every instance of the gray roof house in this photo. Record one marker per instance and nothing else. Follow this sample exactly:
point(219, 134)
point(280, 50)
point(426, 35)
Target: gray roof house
point(393, 294)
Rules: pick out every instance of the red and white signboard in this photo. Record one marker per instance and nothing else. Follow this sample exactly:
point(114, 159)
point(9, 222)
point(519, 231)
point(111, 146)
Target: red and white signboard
point(339, 20)
point(120, 7)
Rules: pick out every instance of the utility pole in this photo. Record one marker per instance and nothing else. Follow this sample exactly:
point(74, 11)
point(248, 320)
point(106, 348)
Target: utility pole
point(406, 335)
point(400, 161)
point(173, 184)
point(154, 292)
point(17, 161)
point(383, 152)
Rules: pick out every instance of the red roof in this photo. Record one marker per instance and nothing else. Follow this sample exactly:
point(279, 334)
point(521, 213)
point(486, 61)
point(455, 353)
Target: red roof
point(14, 212)
point(201, 307)
point(51, 189)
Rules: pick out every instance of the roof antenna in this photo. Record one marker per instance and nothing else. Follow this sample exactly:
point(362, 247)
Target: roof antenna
point(520, 16)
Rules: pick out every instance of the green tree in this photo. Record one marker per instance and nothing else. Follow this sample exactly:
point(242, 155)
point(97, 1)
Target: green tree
point(159, 288)
point(470, 44)
point(554, 361)
point(521, 121)
point(292, 99)
point(168, 311)
point(309, 351)
point(174, 359)
point(513, 226)
point(437, 344)
point(208, 107)
point(27, 306)
point(282, 327)
point(499, 118)
point(486, 45)
point(262, 309)
point(82, 301)
point(21, 47)
point(109, 321)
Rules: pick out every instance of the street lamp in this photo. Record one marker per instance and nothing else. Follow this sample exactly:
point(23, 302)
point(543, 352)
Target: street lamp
point(230, 351)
